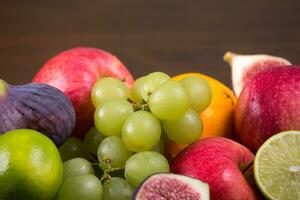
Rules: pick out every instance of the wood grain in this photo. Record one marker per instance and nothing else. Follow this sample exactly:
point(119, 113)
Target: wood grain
point(170, 36)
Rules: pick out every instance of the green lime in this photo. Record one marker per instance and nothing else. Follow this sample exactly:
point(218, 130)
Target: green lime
point(277, 166)
point(30, 166)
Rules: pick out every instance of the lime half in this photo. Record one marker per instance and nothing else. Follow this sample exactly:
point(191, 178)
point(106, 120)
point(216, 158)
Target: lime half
point(277, 166)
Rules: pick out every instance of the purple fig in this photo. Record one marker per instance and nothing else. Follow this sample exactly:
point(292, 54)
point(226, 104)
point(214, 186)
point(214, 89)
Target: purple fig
point(36, 106)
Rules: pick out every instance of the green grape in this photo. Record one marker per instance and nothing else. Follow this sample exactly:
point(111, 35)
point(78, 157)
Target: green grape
point(143, 164)
point(92, 140)
point(186, 129)
point(108, 89)
point(77, 167)
point(117, 189)
point(199, 91)
point(137, 89)
point(159, 147)
point(113, 153)
point(146, 85)
point(169, 101)
point(141, 131)
point(109, 117)
point(153, 81)
point(72, 148)
point(158, 78)
point(81, 187)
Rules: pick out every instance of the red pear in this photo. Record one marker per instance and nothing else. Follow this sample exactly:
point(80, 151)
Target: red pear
point(74, 72)
point(268, 104)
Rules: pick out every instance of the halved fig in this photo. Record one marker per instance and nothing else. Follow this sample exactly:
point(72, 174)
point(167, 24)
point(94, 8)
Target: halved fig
point(172, 187)
point(244, 67)
point(36, 106)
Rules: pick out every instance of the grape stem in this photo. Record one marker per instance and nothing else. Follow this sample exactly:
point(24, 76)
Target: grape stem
point(144, 107)
point(139, 106)
point(106, 176)
point(116, 169)
point(108, 169)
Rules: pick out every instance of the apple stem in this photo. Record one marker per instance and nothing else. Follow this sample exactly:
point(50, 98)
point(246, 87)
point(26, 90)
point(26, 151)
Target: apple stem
point(246, 171)
point(3, 87)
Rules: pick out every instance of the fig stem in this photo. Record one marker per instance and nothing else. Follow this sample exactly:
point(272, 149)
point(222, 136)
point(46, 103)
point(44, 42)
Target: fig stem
point(228, 57)
point(3, 87)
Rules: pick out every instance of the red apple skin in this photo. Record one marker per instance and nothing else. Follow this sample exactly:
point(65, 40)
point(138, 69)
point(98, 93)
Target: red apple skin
point(219, 162)
point(74, 72)
point(268, 104)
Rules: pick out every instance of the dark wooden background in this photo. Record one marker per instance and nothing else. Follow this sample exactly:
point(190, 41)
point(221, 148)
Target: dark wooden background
point(164, 35)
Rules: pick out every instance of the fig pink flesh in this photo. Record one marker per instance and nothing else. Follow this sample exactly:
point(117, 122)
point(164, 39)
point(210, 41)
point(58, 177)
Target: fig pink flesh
point(168, 188)
point(74, 72)
point(217, 161)
point(269, 104)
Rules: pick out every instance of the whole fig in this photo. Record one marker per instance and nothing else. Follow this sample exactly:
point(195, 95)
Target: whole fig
point(36, 106)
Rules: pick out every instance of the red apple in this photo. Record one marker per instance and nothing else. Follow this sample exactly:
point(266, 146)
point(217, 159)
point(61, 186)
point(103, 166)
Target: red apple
point(74, 72)
point(220, 162)
point(268, 104)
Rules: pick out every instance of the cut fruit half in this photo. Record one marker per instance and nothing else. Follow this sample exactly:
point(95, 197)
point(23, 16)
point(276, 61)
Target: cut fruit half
point(172, 187)
point(277, 166)
point(244, 67)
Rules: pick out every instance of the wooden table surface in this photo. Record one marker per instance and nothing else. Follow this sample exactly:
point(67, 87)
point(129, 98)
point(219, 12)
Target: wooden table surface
point(168, 35)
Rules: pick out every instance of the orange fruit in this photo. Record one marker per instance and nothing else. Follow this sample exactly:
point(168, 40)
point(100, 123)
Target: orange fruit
point(217, 118)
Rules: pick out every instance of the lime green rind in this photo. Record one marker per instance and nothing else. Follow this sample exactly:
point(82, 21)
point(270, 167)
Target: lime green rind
point(284, 146)
point(3, 87)
point(34, 168)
